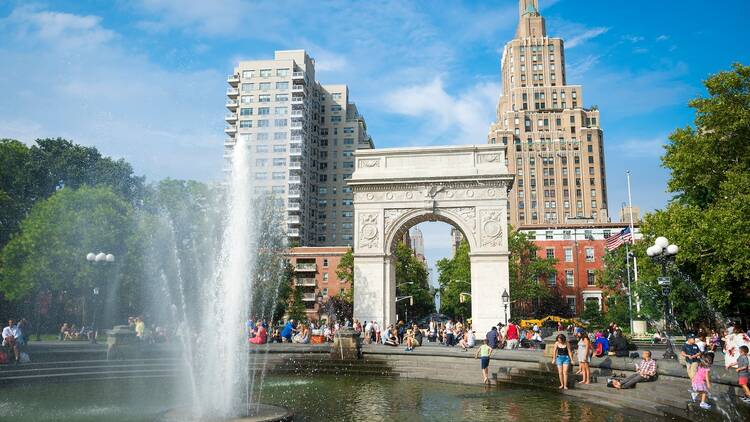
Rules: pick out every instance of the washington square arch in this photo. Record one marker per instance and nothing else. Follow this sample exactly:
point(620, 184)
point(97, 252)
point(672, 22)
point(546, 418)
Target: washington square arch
point(395, 189)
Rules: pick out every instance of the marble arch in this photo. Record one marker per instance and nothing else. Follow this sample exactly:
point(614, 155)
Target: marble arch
point(395, 189)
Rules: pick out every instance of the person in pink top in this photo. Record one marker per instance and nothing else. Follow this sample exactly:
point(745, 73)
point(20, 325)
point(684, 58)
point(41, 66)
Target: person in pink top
point(260, 336)
point(702, 380)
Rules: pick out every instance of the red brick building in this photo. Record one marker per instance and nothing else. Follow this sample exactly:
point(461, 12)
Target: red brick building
point(315, 274)
point(579, 250)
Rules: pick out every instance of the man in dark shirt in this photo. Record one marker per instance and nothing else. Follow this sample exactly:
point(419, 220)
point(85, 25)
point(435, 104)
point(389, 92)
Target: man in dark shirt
point(692, 355)
point(492, 337)
point(618, 346)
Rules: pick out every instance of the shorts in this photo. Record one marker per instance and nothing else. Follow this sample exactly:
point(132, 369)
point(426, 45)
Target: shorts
point(743, 380)
point(485, 361)
point(699, 387)
point(562, 360)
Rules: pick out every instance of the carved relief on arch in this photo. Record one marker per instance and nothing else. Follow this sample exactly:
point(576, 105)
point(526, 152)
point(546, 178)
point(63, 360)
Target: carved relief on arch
point(369, 162)
point(368, 230)
point(390, 216)
point(468, 215)
point(491, 228)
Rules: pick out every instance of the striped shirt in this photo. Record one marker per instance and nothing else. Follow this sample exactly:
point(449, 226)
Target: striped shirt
point(647, 367)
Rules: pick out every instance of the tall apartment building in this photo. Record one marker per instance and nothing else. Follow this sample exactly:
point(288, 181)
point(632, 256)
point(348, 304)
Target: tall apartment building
point(303, 136)
point(555, 145)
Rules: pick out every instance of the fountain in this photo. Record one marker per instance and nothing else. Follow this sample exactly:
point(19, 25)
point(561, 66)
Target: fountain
point(217, 361)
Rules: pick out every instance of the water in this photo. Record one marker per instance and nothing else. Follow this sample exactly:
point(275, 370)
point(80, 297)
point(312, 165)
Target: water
point(322, 398)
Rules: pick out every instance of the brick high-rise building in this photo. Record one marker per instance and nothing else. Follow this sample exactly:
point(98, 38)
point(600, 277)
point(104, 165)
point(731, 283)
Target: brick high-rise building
point(555, 145)
point(302, 136)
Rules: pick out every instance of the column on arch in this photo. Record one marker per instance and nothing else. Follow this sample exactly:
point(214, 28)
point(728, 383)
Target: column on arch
point(489, 277)
point(375, 289)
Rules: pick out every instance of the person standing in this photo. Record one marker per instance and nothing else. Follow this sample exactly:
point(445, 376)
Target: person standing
point(9, 339)
point(449, 333)
point(561, 357)
point(584, 355)
point(511, 336)
point(433, 331)
point(692, 355)
point(368, 332)
point(743, 373)
point(702, 380)
point(484, 353)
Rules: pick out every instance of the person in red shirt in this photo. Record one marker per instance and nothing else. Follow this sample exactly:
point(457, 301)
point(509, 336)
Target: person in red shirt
point(511, 336)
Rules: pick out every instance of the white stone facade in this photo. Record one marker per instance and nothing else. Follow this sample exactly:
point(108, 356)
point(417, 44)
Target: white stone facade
point(395, 189)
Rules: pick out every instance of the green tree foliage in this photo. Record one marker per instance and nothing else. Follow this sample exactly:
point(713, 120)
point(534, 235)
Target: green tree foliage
point(30, 174)
point(48, 254)
point(528, 276)
point(411, 270)
point(296, 308)
point(710, 176)
point(345, 273)
point(593, 316)
point(454, 279)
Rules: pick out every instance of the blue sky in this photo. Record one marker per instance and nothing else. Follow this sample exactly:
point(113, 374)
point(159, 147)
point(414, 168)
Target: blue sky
point(145, 79)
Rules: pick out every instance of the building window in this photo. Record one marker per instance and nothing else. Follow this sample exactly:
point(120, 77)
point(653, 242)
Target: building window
point(590, 255)
point(247, 74)
point(261, 176)
point(247, 87)
point(279, 148)
point(591, 278)
point(278, 175)
point(547, 234)
point(262, 111)
point(265, 73)
point(262, 123)
point(572, 303)
point(246, 99)
point(279, 162)
point(264, 86)
point(281, 85)
point(566, 233)
point(324, 291)
point(279, 136)
point(282, 111)
point(569, 278)
point(607, 233)
point(261, 148)
point(282, 98)
point(550, 253)
point(246, 112)
point(246, 124)
point(568, 255)
point(552, 279)
point(280, 122)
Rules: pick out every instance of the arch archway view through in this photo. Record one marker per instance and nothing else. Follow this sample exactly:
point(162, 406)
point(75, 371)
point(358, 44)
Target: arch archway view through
point(396, 189)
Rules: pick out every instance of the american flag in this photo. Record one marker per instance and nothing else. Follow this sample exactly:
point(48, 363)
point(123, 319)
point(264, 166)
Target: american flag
point(614, 242)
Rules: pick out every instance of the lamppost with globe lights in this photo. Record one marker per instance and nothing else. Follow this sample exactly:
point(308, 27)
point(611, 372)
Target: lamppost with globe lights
point(104, 258)
point(663, 253)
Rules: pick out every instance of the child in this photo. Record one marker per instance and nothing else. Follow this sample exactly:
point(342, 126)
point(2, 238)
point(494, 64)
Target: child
point(743, 372)
point(485, 352)
point(702, 380)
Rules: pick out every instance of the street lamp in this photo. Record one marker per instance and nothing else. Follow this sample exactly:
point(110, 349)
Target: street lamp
point(106, 258)
point(663, 253)
point(506, 301)
point(406, 310)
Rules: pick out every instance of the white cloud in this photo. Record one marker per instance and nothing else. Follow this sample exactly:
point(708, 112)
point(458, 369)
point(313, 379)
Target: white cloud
point(640, 147)
point(67, 75)
point(633, 38)
point(662, 37)
point(460, 119)
point(582, 37)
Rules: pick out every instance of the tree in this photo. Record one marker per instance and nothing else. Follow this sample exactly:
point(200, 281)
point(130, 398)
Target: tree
point(345, 273)
point(412, 279)
point(593, 316)
point(710, 177)
point(296, 308)
point(528, 275)
point(454, 279)
point(48, 254)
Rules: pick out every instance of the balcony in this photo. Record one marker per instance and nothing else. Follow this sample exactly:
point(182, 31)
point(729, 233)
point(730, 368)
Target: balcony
point(294, 165)
point(293, 233)
point(229, 142)
point(298, 75)
point(293, 207)
point(297, 113)
point(298, 99)
point(233, 80)
point(231, 130)
point(230, 117)
point(295, 180)
point(295, 152)
point(231, 104)
point(294, 194)
point(307, 282)
point(233, 92)
point(292, 219)
point(297, 125)
point(308, 297)
point(299, 88)
point(305, 266)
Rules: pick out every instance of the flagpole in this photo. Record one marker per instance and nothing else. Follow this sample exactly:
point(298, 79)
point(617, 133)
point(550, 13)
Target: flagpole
point(632, 240)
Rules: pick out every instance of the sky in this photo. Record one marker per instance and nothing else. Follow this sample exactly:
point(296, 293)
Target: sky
point(145, 80)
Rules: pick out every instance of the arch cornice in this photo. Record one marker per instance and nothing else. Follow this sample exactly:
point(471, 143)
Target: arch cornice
point(463, 218)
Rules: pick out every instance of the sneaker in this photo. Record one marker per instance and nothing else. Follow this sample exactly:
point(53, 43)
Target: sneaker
point(745, 399)
point(705, 405)
point(693, 395)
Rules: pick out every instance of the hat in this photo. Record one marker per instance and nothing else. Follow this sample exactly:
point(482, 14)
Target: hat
point(689, 336)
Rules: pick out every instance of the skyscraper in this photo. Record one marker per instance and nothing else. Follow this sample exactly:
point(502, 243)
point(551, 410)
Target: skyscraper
point(303, 136)
point(555, 145)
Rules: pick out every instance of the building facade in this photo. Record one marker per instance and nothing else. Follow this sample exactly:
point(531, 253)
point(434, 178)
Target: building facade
point(302, 136)
point(555, 145)
point(579, 248)
point(315, 274)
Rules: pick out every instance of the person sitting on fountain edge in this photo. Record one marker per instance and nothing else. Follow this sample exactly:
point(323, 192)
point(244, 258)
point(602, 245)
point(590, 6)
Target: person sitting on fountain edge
point(645, 370)
point(287, 331)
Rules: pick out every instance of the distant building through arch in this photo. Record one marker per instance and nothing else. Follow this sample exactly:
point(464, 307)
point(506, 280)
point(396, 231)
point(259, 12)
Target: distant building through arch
point(396, 189)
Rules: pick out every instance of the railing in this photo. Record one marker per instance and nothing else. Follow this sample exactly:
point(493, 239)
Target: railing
point(230, 116)
point(305, 282)
point(298, 75)
point(233, 79)
point(230, 129)
point(293, 219)
point(295, 179)
point(298, 113)
point(305, 266)
point(295, 151)
point(295, 165)
point(293, 207)
point(231, 104)
point(233, 91)
point(308, 297)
